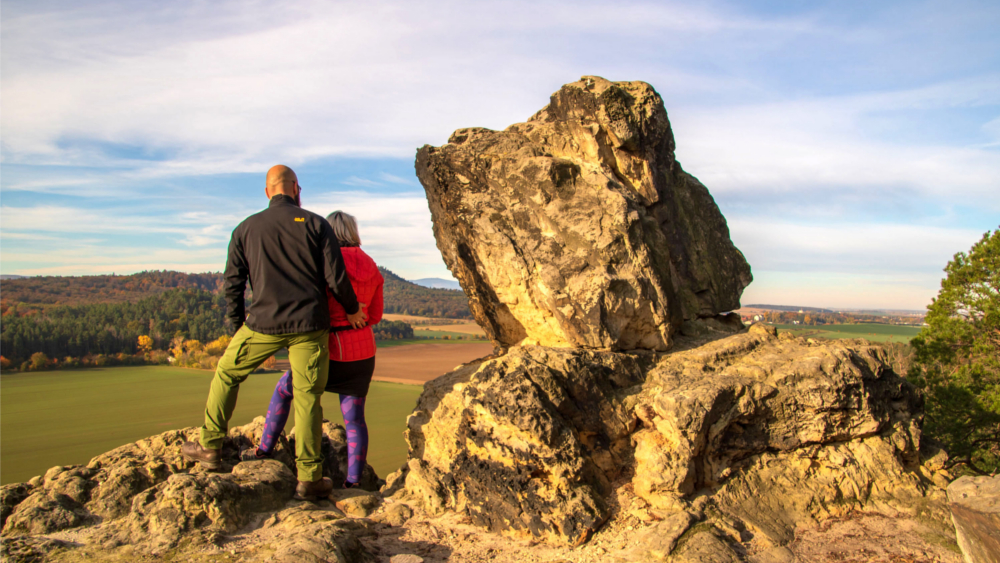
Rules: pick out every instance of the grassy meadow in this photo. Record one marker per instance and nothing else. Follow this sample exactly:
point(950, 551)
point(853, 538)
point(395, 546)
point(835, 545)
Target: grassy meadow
point(69, 416)
point(873, 332)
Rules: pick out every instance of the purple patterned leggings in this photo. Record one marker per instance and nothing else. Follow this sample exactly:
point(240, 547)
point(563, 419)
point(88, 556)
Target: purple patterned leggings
point(353, 409)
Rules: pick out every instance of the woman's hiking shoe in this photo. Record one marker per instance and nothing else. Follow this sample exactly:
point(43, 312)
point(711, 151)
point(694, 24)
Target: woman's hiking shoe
point(350, 485)
point(313, 490)
point(209, 459)
point(253, 454)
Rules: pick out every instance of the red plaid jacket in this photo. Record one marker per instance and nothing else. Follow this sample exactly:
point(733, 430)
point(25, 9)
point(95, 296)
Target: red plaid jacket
point(357, 344)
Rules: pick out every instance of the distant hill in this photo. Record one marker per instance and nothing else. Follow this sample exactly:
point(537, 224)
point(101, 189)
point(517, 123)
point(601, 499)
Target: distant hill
point(438, 283)
point(788, 308)
point(407, 298)
point(11, 277)
point(84, 290)
point(401, 296)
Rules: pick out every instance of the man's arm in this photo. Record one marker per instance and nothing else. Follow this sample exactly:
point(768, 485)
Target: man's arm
point(235, 283)
point(335, 273)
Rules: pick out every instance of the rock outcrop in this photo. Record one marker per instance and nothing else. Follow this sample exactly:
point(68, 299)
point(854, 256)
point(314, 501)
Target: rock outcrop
point(769, 432)
point(975, 509)
point(145, 498)
point(579, 228)
point(587, 253)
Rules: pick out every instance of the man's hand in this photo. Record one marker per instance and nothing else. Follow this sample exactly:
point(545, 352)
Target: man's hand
point(359, 319)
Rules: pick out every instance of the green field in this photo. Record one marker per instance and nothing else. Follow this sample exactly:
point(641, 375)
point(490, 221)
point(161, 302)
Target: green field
point(67, 417)
point(873, 332)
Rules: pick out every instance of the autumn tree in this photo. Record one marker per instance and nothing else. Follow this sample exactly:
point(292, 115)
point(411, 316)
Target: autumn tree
point(957, 358)
point(39, 360)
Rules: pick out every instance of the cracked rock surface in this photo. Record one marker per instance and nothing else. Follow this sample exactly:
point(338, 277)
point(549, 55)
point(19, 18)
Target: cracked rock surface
point(579, 227)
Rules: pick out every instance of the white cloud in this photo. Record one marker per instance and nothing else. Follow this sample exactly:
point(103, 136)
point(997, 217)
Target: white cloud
point(395, 229)
point(842, 291)
point(133, 98)
point(105, 259)
point(393, 179)
point(316, 79)
point(794, 149)
point(848, 248)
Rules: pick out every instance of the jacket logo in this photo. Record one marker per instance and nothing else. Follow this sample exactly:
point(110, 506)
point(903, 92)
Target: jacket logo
point(300, 219)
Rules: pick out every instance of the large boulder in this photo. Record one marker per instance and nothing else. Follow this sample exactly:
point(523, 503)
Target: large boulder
point(771, 432)
point(975, 510)
point(579, 228)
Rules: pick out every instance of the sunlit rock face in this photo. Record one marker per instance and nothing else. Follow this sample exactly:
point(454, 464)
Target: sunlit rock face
point(767, 431)
point(579, 228)
point(601, 270)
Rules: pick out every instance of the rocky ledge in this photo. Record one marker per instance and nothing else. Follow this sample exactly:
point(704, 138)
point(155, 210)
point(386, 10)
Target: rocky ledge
point(750, 436)
point(143, 500)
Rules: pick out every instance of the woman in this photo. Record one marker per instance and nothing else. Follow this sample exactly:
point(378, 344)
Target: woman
point(352, 356)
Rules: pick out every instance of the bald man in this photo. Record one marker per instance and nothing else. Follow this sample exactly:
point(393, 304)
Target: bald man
point(291, 258)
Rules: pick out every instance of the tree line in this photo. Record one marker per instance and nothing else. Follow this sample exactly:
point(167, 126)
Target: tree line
point(400, 296)
point(815, 318)
point(188, 325)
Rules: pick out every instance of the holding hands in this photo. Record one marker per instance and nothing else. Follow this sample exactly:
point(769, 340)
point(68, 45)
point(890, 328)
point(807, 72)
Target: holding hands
point(359, 319)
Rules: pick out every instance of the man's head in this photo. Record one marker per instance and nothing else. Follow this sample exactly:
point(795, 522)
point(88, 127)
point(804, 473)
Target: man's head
point(282, 180)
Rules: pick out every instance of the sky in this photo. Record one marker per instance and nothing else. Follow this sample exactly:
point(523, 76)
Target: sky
point(854, 147)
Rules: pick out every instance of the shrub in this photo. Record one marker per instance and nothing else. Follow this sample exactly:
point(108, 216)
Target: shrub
point(39, 361)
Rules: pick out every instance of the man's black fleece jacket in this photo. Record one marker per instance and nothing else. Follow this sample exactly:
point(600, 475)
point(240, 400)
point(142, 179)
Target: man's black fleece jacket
point(290, 256)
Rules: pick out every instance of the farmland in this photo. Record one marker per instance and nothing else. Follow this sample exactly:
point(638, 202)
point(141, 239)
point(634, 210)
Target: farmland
point(66, 417)
point(869, 331)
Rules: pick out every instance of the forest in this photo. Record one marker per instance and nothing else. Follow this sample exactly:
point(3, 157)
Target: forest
point(187, 325)
point(83, 290)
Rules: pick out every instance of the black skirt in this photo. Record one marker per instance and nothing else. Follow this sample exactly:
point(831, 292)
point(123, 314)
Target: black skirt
point(351, 378)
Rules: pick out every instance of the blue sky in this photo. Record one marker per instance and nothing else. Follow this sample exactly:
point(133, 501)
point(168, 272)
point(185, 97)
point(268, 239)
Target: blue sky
point(854, 147)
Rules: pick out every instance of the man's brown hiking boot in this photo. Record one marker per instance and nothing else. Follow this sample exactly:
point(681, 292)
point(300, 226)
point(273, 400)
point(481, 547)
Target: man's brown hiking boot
point(314, 490)
point(193, 451)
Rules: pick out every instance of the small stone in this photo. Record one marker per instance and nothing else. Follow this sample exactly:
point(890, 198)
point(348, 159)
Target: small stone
point(406, 558)
point(642, 515)
point(357, 503)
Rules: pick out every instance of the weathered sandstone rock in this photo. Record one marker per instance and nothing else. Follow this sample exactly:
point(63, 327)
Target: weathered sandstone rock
point(529, 441)
point(204, 503)
point(579, 228)
point(975, 509)
point(148, 499)
point(762, 432)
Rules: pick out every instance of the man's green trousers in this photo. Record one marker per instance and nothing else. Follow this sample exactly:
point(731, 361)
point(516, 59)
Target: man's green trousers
point(309, 355)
